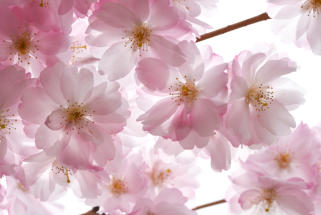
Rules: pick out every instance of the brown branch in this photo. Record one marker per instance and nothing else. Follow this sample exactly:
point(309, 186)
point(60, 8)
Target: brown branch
point(259, 18)
point(92, 211)
point(209, 204)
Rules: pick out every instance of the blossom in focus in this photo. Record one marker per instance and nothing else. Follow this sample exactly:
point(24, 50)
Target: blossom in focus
point(260, 99)
point(192, 106)
point(134, 29)
point(75, 118)
point(302, 17)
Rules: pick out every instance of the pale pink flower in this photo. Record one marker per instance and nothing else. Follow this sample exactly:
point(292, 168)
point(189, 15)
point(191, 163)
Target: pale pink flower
point(25, 44)
point(260, 100)
point(134, 29)
point(193, 105)
point(291, 156)
point(123, 184)
point(259, 194)
point(21, 201)
point(168, 202)
point(168, 171)
point(301, 17)
point(75, 118)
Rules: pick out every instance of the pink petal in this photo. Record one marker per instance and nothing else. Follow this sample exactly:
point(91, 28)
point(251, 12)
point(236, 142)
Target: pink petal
point(273, 69)
point(140, 7)
point(181, 125)
point(51, 43)
point(77, 86)
point(36, 105)
point(251, 64)
point(297, 203)
point(159, 113)
point(56, 120)
point(65, 6)
point(277, 120)
point(237, 121)
point(167, 51)
point(113, 64)
point(106, 101)
point(105, 151)
point(312, 36)
point(116, 15)
point(50, 79)
point(204, 117)
point(220, 152)
point(192, 140)
point(46, 138)
point(214, 81)
point(239, 88)
point(249, 198)
point(153, 73)
point(157, 19)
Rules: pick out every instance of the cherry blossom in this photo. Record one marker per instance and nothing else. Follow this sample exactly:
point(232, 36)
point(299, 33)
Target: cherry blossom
point(192, 107)
point(74, 124)
point(168, 202)
point(302, 16)
point(260, 194)
point(141, 31)
point(24, 43)
point(260, 100)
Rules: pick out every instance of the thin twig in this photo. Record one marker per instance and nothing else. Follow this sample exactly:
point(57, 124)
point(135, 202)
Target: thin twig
point(209, 204)
point(259, 18)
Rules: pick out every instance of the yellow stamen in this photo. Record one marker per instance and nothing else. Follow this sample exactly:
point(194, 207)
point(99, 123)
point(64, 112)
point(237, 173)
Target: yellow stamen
point(118, 187)
point(312, 6)
point(260, 97)
point(139, 37)
point(158, 177)
point(184, 92)
point(283, 160)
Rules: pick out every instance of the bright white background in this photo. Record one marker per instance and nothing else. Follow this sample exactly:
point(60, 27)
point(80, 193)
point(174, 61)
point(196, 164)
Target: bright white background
point(214, 185)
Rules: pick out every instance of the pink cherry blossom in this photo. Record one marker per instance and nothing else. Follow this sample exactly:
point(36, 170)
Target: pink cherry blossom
point(260, 194)
point(193, 105)
point(260, 100)
point(75, 118)
point(125, 181)
point(302, 17)
point(168, 202)
point(291, 156)
point(166, 171)
point(25, 44)
point(141, 31)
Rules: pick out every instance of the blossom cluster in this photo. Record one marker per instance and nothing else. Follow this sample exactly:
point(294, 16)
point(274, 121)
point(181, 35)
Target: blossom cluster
point(113, 100)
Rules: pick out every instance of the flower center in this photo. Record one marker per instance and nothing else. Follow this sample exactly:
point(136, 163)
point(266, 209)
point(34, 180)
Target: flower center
point(139, 38)
point(118, 187)
point(7, 122)
point(283, 160)
point(184, 92)
point(260, 97)
point(158, 177)
point(268, 196)
point(312, 6)
point(23, 46)
point(76, 114)
point(60, 169)
point(43, 3)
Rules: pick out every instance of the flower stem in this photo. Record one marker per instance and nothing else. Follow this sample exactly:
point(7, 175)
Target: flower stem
point(255, 19)
point(209, 204)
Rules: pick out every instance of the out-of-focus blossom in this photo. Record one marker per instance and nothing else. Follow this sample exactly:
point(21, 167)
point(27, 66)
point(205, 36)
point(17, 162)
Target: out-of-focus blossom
point(255, 193)
point(291, 156)
point(168, 202)
point(75, 117)
point(24, 43)
point(301, 18)
point(81, 7)
point(134, 29)
point(260, 100)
